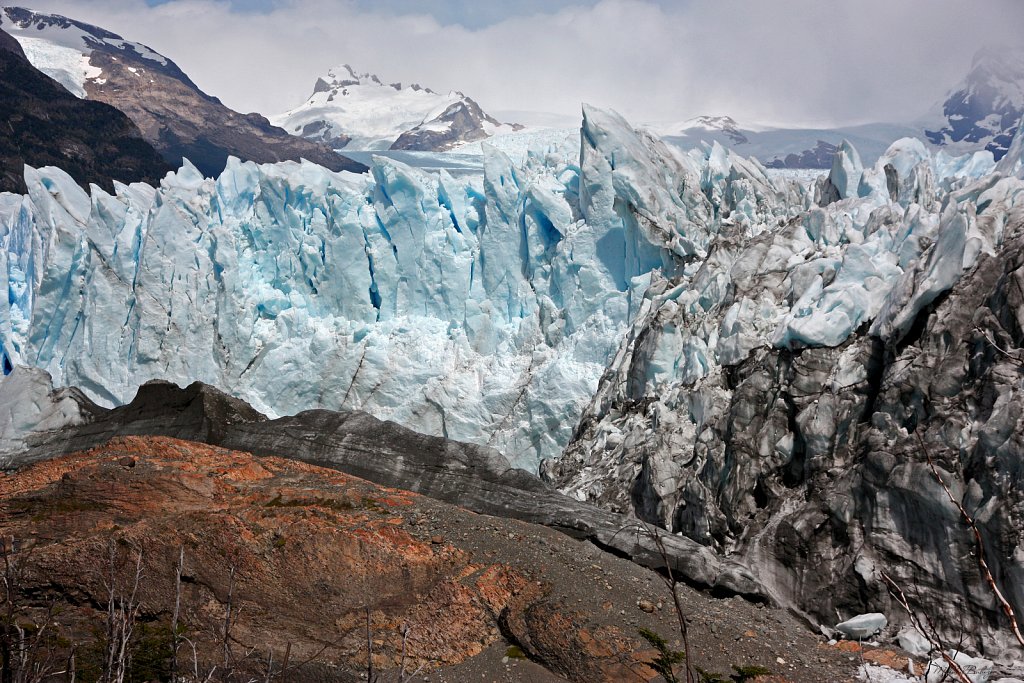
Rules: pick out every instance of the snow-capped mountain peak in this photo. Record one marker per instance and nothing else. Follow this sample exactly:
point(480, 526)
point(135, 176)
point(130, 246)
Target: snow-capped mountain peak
point(354, 110)
point(723, 124)
point(344, 76)
point(1002, 69)
point(986, 107)
point(61, 47)
point(711, 122)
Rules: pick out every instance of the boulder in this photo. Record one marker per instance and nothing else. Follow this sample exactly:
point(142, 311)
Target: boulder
point(863, 625)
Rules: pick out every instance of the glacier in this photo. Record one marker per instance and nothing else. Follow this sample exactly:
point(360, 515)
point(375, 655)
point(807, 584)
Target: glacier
point(776, 369)
point(485, 307)
point(872, 249)
point(482, 308)
point(794, 402)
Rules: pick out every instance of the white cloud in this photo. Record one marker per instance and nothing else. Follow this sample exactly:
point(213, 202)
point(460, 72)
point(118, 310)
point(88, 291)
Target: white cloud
point(799, 61)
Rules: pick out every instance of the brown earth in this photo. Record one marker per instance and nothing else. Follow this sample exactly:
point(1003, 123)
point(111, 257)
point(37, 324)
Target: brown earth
point(315, 551)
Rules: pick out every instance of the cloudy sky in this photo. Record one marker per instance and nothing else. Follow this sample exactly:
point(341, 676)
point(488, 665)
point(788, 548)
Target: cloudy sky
point(797, 62)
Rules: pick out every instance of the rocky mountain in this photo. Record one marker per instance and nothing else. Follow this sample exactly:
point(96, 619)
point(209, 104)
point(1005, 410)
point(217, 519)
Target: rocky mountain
point(173, 114)
point(983, 111)
point(819, 157)
point(348, 110)
point(48, 126)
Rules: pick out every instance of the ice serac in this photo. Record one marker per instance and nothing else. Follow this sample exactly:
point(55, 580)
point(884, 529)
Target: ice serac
point(779, 404)
point(31, 408)
point(1013, 162)
point(483, 308)
point(847, 171)
point(637, 203)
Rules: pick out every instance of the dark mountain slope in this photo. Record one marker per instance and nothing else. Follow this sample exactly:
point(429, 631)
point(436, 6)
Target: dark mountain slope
point(45, 125)
point(173, 114)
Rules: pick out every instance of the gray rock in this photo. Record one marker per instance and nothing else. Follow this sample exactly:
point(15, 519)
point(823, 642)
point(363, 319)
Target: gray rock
point(862, 626)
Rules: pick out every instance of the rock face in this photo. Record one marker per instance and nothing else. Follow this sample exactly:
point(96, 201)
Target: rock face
point(173, 114)
point(798, 443)
point(294, 536)
point(316, 554)
point(48, 126)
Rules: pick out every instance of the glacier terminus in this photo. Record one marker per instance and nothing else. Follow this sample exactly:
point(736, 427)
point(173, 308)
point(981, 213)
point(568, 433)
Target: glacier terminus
point(484, 308)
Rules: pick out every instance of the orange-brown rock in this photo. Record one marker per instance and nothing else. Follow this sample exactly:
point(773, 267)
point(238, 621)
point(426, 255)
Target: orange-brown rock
point(874, 655)
point(317, 562)
point(889, 658)
point(316, 557)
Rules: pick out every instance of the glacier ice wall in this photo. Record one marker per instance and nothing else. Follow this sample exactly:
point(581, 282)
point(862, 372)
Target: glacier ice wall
point(484, 309)
point(785, 404)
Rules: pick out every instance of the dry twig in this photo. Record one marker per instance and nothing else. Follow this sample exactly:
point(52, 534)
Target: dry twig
point(980, 546)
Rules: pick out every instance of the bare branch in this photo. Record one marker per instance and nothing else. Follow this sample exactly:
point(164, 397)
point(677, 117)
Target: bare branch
point(228, 618)
point(898, 595)
point(671, 581)
point(175, 639)
point(980, 546)
point(992, 342)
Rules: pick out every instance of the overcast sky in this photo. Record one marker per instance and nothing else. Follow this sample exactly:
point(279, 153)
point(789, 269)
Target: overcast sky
point(799, 62)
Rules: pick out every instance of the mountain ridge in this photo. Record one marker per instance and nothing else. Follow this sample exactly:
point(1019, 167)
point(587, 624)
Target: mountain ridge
point(173, 114)
point(48, 126)
point(360, 111)
point(981, 113)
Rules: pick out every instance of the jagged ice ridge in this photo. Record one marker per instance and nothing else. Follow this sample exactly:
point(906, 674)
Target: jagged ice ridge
point(484, 309)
